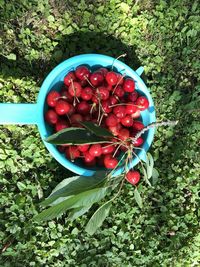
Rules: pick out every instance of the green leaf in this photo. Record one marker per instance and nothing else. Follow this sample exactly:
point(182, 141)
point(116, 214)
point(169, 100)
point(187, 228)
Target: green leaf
point(150, 164)
point(155, 175)
point(75, 213)
point(138, 198)
point(11, 56)
point(95, 129)
point(81, 200)
point(75, 185)
point(98, 218)
point(73, 136)
point(146, 176)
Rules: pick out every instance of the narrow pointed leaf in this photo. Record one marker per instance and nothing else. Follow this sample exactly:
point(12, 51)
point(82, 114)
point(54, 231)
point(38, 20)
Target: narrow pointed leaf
point(73, 136)
point(146, 176)
point(83, 199)
point(155, 175)
point(150, 165)
point(98, 218)
point(75, 213)
point(97, 130)
point(138, 198)
point(75, 185)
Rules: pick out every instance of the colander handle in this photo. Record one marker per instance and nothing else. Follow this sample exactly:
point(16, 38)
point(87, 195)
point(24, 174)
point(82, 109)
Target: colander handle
point(19, 113)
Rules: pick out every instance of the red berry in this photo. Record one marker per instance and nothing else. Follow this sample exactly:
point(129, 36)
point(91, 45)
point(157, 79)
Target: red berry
point(75, 89)
point(142, 103)
point(133, 96)
point(95, 150)
point(113, 100)
point(88, 157)
point(129, 85)
point(60, 125)
point(138, 142)
point(108, 86)
point(52, 98)
point(131, 108)
point(82, 73)
point(69, 78)
point(110, 162)
point(119, 111)
point(67, 96)
point(102, 93)
point(111, 120)
point(86, 93)
point(83, 108)
point(71, 111)
point(91, 163)
point(62, 107)
point(115, 129)
point(112, 78)
point(72, 152)
point(108, 149)
point(138, 125)
point(136, 114)
point(104, 71)
point(51, 117)
point(76, 118)
point(127, 121)
point(83, 148)
point(119, 91)
point(120, 79)
point(96, 78)
point(123, 134)
point(133, 177)
point(106, 106)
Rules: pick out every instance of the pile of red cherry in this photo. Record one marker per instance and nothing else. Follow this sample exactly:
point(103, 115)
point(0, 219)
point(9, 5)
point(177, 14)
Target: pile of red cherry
point(104, 97)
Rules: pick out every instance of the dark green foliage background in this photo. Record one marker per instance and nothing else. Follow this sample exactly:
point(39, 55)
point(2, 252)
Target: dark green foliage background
point(162, 36)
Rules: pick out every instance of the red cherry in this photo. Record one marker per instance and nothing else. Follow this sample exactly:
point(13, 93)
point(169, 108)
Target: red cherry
point(69, 78)
point(76, 118)
point(127, 121)
point(104, 71)
point(123, 134)
point(111, 120)
point(83, 108)
point(83, 148)
point(102, 93)
point(88, 157)
point(86, 93)
point(108, 86)
point(113, 100)
point(112, 78)
point(61, 149)
point(119, 91)
point(120, 79)
point(72, 152)
point(142, 103)
point(120, 111)
point(95, 150)
point(138, 125)
point(106, 106)
point(131, 108)
point(110, 162)
point(75, 89)
point(115, 129)
point(91, 163)
point(60, 125)
point(138, 142)
point(136, 114)
point(108, 149)
point(133, 96)
point(129, 85)
point(52, 98)
point(82, 73)
point(51, 117)
point(67, 96)
point(96, 78)
point(133, 177)
point(71, 111)
point(62, 107)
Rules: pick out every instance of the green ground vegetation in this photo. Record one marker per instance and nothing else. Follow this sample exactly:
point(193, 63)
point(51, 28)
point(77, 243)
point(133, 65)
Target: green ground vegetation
point(164, 37)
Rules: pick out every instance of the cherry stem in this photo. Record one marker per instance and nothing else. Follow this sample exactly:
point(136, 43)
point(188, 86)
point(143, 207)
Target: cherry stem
point(89, 82)
point(118, 83)
point(124, 104)
point(123, 55)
